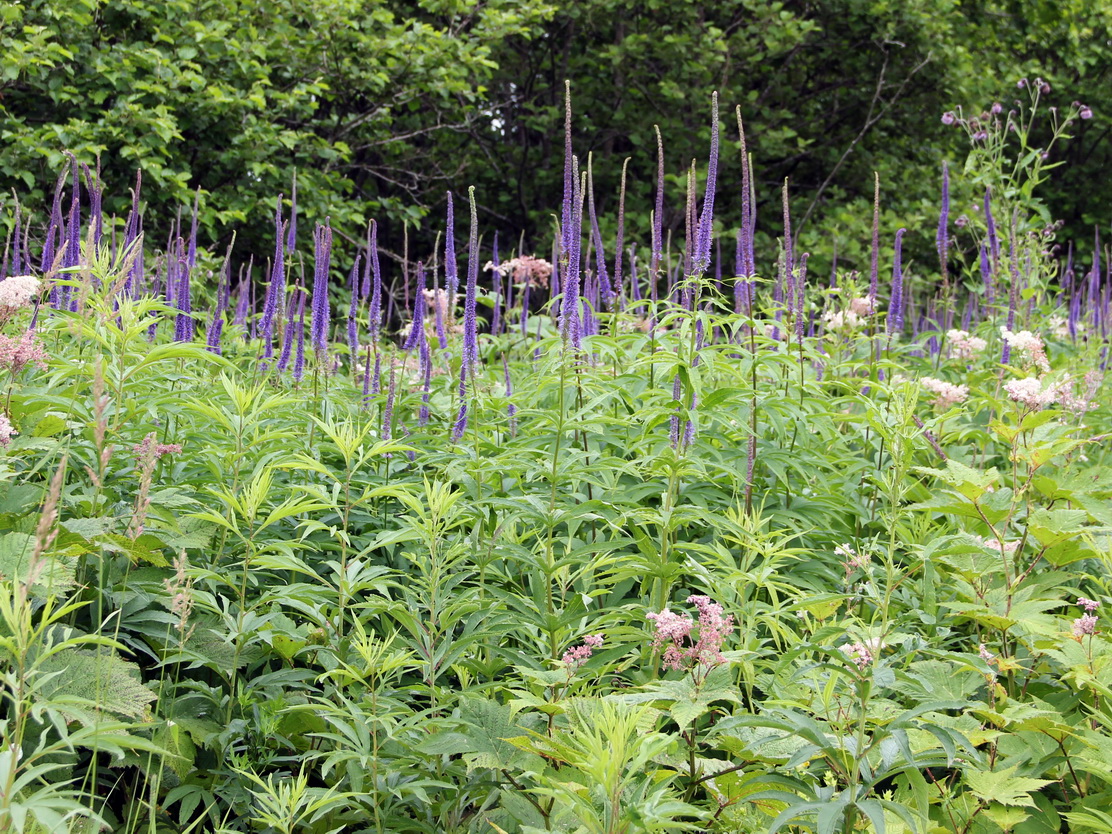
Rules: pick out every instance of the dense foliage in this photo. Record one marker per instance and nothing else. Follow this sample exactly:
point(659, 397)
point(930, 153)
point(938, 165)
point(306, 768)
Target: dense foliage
point(612, 546)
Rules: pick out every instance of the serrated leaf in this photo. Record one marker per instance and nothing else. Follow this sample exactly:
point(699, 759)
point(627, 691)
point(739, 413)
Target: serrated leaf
point(1003, 786)
point(110, 682)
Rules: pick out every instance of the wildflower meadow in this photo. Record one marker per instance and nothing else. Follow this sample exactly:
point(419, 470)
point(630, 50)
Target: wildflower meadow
point(600, 532)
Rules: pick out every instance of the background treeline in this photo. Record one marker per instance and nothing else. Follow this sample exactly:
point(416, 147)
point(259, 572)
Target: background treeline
point(381, 106)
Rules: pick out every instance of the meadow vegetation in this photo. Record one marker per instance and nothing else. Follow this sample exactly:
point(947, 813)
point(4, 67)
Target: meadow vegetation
point(644, 535)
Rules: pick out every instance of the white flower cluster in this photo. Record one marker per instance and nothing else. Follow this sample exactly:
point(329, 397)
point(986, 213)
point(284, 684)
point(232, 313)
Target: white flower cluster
point(1030, 392)
point(17, 291)
point(1030, 346)
point(842, 320)
point(963, 345)
point(945, 393)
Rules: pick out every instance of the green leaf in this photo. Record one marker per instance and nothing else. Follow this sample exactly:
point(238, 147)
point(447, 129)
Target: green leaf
point(1003, 786)
point(100, 677)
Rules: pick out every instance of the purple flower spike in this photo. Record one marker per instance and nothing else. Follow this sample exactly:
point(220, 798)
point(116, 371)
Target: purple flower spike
point(942, 239)
point(96, 195)
point(191, 252)
point(570, 325)
point(291, 236)
point(376, 287)
point(511, 409)
point(131, 232)
point(291, 328)
point(800, 299)
point(183, 325)
point(71, 256)
point(571, 176)
point(438, 310)
point(619, 241)
point(658, 218)
point(299, 359)
point(990, 231)
point(461, 418)
point(986, 274)
point(365, 286)
point(53, 232)
point(216, 327)
point(896, 306)
point(388, 409)
point(276, 289)
point(426, 379)
point(322, 262)
point(353, 310)
point(570, 219)
point(705, 232)
point(689, 427)
point(674, 422)
point(367, 378)
point(470, 325)
point(451, 268)
point(596, 238)
point(417, 327)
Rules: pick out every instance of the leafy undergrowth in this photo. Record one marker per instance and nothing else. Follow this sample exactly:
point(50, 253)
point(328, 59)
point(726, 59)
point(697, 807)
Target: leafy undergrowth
point(736, 562)
point(231, 602)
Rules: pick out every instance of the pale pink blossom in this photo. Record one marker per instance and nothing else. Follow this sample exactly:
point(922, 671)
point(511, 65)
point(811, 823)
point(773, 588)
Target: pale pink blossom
point(1083, 400)
point(674, 634)
point(863, 306)
point(1083, 625)
point(149, 447)
point(439, 304)
point(986, 655)
point(1030, 392)
point(1029, 346)
point(964, 346)
point(17, 352)
point(851, 558)
point(576, 656)
point(16, 292)
point(526, 269)
point(842, 320)
point(863, 652)
point(945, 393)
point(1090, 605)
point(6, 430)
point(1059, 327)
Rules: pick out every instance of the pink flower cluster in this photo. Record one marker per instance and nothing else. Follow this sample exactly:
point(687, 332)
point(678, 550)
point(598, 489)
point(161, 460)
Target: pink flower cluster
point(155, 450)
point(1030, 392)
point(1029, 346)
point(851, 558)
point(1083, 625)
point(16, 292)
point(6, 430)
point(863, 652)
point(526, 269)
point(1084, 401)
point(964, 346)
point(576, 656)
point(673, 634)
point(17, 352)
point(945, 393)
point(1086, 624)
point(863, 306)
